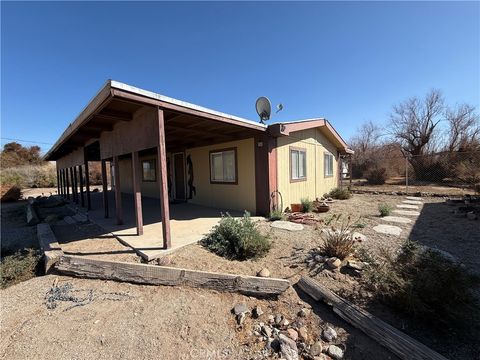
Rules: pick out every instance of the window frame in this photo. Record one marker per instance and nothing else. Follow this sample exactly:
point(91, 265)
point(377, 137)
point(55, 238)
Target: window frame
point(330, 155)
point(293, 149)
point(154, 161)
point(210, 163)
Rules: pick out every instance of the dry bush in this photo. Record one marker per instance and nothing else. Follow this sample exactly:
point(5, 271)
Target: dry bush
point(31, 176)
point(377, 176)
point(337, 240)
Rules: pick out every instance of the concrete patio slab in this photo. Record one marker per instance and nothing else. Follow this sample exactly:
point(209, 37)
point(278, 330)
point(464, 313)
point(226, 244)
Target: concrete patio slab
point(188, 224)
point(404, 206)
point(406, 212)
point(397, 219)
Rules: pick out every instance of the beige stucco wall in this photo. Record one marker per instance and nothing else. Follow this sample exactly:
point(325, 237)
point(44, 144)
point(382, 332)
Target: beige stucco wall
point(316, 184)
point(239, 196)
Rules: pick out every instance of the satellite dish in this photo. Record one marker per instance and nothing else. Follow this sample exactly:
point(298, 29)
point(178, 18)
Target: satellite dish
point(264, 108)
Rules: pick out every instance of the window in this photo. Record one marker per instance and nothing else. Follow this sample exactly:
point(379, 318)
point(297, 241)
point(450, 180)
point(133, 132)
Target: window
point(298, 164)
point(223, 166)
point(148, 170)
point(328, 164)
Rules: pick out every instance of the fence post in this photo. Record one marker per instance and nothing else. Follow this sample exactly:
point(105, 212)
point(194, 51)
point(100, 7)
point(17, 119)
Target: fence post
point(406, 174)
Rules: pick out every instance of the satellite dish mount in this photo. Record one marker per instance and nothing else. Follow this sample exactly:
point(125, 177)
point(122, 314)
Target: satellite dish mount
point(264, 108)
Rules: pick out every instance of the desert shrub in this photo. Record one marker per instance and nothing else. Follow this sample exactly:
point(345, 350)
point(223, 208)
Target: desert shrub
point(30, 176)
point(237, 239)
point(376, 176)
point(307, 205)
point(275, 215)
point(340, 194)
point(384, 209)
point(425, 285)
point(18, 267)
point(337, 239)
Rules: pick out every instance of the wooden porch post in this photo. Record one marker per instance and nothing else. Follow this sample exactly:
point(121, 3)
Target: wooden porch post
point(67, 183)
point(118, 193)
point(137, 193)
point(105, 187)
point(60, 185)
point(162, 179)
point(75, 183)
point(62, 175)
point(87, 180)
point(58, 182)
point(80, 176)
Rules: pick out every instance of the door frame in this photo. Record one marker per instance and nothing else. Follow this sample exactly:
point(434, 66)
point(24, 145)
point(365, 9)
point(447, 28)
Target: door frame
point(174, 185)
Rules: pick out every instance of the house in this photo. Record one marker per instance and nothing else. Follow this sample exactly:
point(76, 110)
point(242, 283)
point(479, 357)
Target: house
point(162, 148)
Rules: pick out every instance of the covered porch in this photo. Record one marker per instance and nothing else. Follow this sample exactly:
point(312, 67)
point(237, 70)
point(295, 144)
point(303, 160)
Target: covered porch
point(188, 223)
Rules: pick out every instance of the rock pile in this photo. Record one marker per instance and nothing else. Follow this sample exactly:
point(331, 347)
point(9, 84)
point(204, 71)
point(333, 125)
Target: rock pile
point(288, 339)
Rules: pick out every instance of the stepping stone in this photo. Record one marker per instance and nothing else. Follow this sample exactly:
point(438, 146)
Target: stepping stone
point(397, 219)
point(413, 198)
point(407, 212)
point(411, 202)
point(404, 206)
point(286, 225)
point(388, 229)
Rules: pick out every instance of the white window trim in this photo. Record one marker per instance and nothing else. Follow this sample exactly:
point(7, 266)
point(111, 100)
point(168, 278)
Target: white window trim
point(235, 175)
point(298, 178)
point(326, 170)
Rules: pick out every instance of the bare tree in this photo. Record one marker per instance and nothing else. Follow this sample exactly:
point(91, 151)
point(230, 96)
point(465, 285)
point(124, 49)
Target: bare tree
point(367, 137)
point(464, 129)
point(414, 121)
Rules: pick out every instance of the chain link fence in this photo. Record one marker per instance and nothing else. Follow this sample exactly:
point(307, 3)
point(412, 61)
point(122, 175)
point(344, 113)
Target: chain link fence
point(445, 173)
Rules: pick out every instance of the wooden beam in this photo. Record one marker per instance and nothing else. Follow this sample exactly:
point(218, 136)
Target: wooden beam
point(87, 179)
point(114, 115)
point(58, 182)
point(75, 184)
point(393, 339)
point(162, 275)
point(80, 176)
point(183, 130)
point(105, 187)
point(162, 180)
point(118, 193)
point(137, 193)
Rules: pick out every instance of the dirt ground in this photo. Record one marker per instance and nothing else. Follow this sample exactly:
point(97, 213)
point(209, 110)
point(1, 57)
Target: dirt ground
point(183, 323)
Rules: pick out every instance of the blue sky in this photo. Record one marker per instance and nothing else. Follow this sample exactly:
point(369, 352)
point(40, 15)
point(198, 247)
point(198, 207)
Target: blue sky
point(348, 62)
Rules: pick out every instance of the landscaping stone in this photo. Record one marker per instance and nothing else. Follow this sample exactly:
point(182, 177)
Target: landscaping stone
point(304, 312)
point(359, 237)
point(329, 334)
point(292, 334)
point(264, 273)
point(257, 311)
point(284, 322)
point(412, 202)
point(388, 229)
point(278, 319)
point(241, 318)
point(406, 212)
point(335, 352)
point(69, 220)
point(316, 349)
point(286, 225)
point(471, 216)
point(240, 308)
point(404, 206)
point(271, 319)
point(319, 258)
point(80, 218)
point(334, 263)
point(397, 219)
point(267, 331)
point(356, 265)
point(302, 333)
point(413, 198)
point(32, 217)
point(288, 347)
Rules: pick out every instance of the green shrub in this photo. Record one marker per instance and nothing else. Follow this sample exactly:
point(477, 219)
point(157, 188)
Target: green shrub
point(425, 285)
point(340, 194)
point(237, 239)
point(307, 205)
point(337, 240)
point(384, 209)
point(275, 215)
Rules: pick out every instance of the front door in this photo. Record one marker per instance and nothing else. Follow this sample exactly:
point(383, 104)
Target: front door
point(179, 175)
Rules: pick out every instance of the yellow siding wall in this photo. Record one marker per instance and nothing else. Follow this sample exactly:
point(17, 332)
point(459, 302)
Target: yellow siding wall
point(316, 144)
point(239, 196)
point(226, 196)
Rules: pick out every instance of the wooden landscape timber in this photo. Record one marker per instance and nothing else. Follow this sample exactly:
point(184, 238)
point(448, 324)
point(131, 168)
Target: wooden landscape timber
point(161, 275)
point(396, 341)
point(50, 247)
